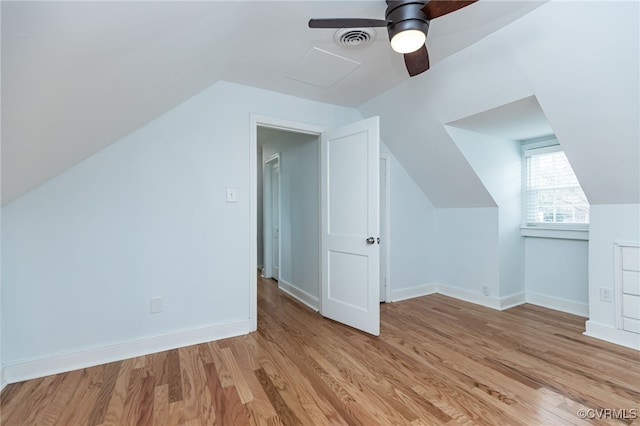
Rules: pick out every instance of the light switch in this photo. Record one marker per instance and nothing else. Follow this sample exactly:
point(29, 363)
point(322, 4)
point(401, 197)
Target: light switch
point(232, 194)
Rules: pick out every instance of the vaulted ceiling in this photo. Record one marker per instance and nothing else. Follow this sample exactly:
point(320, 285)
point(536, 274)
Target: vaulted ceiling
point(577, 63)
point(78, 76)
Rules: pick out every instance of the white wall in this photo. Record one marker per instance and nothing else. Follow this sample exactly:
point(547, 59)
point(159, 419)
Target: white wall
point(468, 256)
point(598, 125)
point(498, 164)
point(557, 271)
point(609, 224)
point(299, 199)
point(145, 217)
point(552, 272)
point(2, 380)
point(412, 230)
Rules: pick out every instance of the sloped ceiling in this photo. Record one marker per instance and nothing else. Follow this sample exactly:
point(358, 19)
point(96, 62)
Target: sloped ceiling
point(518, 121)
point(78, 76)
point(579, 60)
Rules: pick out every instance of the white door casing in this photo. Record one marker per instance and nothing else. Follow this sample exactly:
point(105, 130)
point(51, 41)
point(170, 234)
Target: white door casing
point(350, 211)
point(384, 228)
point(275, 222)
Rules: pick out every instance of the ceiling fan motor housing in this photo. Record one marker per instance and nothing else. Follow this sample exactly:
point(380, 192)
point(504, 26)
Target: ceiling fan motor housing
point(406, 15)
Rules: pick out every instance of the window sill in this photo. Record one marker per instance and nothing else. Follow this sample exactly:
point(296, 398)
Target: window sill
point(563, 234)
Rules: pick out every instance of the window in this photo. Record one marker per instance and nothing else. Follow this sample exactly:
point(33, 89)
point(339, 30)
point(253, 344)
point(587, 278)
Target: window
point(553, 198)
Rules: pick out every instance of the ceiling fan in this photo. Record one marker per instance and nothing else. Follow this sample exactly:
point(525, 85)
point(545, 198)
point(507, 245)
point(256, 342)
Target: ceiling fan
point(407, 23)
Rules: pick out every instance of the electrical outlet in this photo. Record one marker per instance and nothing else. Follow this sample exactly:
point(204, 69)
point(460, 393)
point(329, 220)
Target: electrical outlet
point(485, 290)
point(155, 305)
point(605, 294)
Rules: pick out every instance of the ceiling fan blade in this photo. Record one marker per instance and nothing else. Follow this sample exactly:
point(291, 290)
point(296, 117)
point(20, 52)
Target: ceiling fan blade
point(417, 62)
point(437, 8)
point(346, 23)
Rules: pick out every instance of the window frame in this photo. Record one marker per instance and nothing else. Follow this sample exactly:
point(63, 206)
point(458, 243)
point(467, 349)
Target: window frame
point(572, 231)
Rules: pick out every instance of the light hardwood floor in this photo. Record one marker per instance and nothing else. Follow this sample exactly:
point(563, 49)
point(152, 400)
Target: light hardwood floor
point(437, 361)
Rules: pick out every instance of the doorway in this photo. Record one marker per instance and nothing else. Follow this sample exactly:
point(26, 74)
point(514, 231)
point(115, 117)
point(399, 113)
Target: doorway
point(353, 153)
point(269, 231)
point(290, 200)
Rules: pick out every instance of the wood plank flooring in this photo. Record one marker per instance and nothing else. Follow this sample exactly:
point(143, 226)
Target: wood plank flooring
point(438, 361)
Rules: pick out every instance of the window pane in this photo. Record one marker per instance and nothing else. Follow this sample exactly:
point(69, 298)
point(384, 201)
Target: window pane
point(554, 195)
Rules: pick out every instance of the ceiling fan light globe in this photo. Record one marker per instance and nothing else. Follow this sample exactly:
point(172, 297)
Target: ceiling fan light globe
point(408, 41)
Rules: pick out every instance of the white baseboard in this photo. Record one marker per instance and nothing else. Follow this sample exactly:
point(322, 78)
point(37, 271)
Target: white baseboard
point(311, 301)
point(512, 301)
point(457, 293)
point(411, 292)
point(563, 305)
point(3, 382)
point(500, 304)
point(469, 296)
point(613, 335)
point(61, 363)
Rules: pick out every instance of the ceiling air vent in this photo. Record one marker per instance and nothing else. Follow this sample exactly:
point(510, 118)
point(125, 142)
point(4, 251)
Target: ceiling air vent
point(354, 37)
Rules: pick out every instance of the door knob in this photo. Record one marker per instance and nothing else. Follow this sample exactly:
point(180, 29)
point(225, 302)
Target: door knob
point(371, 240)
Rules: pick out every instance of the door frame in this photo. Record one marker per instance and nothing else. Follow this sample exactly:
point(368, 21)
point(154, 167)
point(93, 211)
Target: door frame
point(256, 121)
point(387, 224)
point(267, 216)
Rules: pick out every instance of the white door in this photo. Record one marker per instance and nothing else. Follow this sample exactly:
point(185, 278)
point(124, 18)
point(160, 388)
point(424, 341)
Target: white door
point(350, 225)
point(275, 220)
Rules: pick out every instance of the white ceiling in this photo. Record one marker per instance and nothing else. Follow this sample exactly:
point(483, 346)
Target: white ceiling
point(519, 120)
point(591, 102)
point(78, 76)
